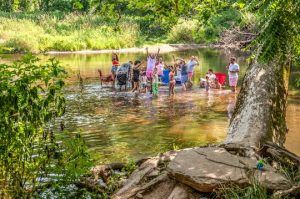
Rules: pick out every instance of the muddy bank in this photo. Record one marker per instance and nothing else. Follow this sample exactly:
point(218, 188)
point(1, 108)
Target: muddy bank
point(164, 48)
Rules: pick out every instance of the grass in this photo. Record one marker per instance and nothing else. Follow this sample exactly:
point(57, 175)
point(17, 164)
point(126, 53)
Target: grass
point(42, 32)
point(56, 31)
point(254, 191)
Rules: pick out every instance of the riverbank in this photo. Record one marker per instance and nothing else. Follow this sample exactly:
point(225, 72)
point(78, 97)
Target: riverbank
point(164, 48)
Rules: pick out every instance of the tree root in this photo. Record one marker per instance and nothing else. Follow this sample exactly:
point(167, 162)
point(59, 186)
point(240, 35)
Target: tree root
point(291, 191)
point(279, 154)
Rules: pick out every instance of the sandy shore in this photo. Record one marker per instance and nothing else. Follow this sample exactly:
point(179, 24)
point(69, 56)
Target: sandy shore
point(164, 48)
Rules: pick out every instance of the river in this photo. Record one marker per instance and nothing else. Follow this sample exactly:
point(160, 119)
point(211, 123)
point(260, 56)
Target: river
point(118, 126)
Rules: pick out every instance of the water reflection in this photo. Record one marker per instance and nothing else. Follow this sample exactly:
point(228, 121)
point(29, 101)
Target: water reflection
point(120, 125)
point(231, 105)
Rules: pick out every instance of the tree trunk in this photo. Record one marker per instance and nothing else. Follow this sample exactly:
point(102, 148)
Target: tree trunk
point(259, 115)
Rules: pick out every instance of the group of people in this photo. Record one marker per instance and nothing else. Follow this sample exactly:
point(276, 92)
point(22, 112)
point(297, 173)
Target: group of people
point(211, 80)
point(146, 79)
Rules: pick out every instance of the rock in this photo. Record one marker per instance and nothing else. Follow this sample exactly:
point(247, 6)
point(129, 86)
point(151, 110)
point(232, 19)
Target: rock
point(205, 169)
point(183, 192)
point(139, 195)
point(148, 182)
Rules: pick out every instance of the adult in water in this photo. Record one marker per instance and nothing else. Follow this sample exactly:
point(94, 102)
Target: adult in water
point(190, 67)
point(151, 60)
point(233, 70)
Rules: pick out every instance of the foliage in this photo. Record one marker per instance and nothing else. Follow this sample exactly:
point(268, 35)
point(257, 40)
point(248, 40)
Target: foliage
point(184, 31)
point(31, 99)
point(66, 33)
point(279, 25)
point(89, 24)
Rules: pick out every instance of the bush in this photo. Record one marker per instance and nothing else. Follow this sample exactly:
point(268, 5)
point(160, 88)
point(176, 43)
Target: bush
point(31, 100)
point(184, 31)
point(30, 33)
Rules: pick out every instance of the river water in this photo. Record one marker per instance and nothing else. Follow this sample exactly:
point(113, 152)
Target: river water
point(118, 126)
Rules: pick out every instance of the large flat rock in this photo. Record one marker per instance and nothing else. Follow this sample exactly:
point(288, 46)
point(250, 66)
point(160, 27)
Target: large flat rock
point(205, 169)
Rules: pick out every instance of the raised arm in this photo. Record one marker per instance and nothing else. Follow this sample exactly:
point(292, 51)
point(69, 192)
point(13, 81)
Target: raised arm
point(140, 64)
point(197, 60)
point(158, 50)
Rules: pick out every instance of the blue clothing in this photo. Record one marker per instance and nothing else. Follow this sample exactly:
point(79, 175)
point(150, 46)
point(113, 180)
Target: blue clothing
point(114, 69)
point(184, 78)
point(184, 70)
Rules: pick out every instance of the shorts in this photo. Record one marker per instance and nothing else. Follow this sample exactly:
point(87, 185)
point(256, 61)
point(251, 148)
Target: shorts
point(184, 78)
point(190, 74)
point(172, 82)
point(233, 81)
point(160, 78)
point(135, 79)
point(114, 69)
point(149, 74)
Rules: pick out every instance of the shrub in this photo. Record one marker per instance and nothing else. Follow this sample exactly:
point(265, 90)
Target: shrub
point(184, 31)
point(31, 33)
point(31, 100)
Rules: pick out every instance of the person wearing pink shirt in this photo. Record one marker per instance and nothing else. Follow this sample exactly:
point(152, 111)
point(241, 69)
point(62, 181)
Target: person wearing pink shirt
point(151, 60)
point(160, 67)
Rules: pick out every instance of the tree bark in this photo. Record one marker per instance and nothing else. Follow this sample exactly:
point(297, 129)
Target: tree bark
point(259, 115)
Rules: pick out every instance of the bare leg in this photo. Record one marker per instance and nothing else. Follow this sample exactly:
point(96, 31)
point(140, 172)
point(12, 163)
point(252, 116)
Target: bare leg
point(173, 93)
point(183, 87)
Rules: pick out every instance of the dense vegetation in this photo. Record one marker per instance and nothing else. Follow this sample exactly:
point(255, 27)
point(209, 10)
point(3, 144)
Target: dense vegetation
point(86, 24)
point(31, 151)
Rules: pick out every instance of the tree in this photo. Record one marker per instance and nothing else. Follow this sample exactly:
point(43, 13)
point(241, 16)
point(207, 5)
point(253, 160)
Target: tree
point(261, 105)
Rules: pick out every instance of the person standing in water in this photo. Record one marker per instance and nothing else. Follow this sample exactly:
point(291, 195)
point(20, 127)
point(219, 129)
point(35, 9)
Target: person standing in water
point(160, 67)
point(184, 74)
point(151, 61)
point(172, 80)
point(115, 65)
point(190, 67)
point(155, 83)
point(233, 70)
point(136, 75)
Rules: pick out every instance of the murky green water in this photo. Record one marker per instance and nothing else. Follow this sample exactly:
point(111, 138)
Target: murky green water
point(120, 125)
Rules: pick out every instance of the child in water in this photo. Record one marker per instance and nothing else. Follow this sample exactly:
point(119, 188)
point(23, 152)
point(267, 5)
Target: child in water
point(207, 83)
point(144, 81)
point(155, 83)
point(136, 75)
point(172, 81)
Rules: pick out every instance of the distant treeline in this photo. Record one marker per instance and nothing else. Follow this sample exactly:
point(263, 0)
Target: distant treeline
point(157, 21)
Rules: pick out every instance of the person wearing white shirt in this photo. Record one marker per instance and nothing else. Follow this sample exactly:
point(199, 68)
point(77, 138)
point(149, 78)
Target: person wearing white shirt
point(233, 70)
point(191, 65)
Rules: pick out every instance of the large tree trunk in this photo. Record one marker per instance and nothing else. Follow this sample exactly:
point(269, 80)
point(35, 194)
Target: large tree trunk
point(259, 114)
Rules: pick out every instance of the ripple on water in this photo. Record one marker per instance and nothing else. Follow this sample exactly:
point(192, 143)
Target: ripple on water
point(125, 125)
